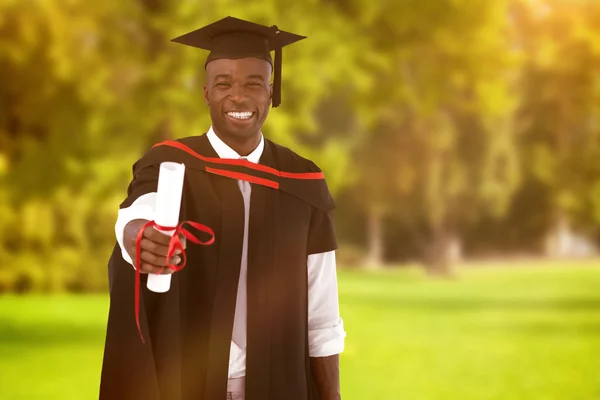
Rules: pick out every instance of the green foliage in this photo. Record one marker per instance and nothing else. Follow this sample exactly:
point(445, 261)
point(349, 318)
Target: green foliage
point(451, 110)
point(434, 115)
point(559, 118)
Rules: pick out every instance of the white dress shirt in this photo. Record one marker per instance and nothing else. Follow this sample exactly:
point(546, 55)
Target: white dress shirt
point(325, 327)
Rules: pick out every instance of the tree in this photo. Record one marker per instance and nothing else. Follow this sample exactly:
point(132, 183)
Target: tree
point(437, 119)
point(91, 86)
point(559, 115)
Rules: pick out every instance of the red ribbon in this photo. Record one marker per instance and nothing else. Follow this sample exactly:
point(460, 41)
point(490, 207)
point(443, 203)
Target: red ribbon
point(243, 163)
point(174, 245)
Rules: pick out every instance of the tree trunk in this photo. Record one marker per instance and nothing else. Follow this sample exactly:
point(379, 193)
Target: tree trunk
point(374, 257)
point(444, 250)
point(558, 238)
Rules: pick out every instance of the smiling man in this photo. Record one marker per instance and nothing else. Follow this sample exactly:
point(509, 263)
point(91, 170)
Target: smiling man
point(239, 94)
point(255, 315)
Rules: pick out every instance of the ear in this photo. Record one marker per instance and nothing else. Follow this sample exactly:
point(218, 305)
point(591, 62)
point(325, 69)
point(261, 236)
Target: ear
point(271, 93)
point(206, 95)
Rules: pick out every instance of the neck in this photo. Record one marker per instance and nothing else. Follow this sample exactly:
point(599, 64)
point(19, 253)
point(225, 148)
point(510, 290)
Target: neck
point(242, 146)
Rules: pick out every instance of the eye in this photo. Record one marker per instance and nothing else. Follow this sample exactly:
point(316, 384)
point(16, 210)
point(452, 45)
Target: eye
point(223, 84)
point(254, 84)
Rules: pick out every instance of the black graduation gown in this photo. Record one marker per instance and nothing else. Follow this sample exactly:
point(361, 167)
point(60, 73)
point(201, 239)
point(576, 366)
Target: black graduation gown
point(188, 329)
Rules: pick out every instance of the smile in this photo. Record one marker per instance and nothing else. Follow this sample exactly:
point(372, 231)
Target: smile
point(240, 115)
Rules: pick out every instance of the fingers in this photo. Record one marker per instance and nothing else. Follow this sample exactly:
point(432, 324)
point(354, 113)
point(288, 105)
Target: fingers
point(175, 260)
point(152, 269)
point(157, 248)
point(154, 248)
point(157, 237)
point(154, 257)
point(183, 242)
point(158, 261)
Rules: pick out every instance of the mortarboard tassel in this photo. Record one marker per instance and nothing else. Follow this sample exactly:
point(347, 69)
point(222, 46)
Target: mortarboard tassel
point(277, 69)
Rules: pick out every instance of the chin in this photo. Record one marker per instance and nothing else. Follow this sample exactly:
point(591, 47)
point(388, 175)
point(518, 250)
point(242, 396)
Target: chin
point(239, 132)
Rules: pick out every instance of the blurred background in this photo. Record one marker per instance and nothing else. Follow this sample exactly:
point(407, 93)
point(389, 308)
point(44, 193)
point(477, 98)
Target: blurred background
point(460, 138)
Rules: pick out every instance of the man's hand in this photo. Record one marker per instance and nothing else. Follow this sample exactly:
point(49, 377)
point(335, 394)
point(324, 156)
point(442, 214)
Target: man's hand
point(154, 247)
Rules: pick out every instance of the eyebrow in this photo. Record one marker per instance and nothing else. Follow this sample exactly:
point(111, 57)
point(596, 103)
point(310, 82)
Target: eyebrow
point(255, 76)
point(227, 76)
point(223, 76)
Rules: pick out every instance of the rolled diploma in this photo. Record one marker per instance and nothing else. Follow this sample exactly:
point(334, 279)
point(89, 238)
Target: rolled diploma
point(168, 204)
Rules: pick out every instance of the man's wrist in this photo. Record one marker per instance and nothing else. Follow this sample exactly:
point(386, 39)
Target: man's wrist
point(326, 372)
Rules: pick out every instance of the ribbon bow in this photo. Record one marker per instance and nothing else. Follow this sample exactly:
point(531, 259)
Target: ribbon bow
point(174, 245)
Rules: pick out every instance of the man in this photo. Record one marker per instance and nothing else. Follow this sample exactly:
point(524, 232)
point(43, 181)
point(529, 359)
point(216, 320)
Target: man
point(255, 315)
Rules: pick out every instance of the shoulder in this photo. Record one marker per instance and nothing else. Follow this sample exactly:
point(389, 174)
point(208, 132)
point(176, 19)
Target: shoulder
point(313, 191)
point(195, 143)
point(158, 153)
point(290, 161)
point(192, 142)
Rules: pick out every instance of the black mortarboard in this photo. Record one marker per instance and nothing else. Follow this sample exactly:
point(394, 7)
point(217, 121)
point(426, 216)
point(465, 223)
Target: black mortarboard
point(235, 38)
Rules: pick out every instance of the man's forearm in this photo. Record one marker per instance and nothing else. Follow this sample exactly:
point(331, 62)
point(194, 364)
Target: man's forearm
point(326, 371)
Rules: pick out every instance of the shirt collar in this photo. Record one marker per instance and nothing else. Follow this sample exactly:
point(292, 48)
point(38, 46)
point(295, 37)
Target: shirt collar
point(224, 151)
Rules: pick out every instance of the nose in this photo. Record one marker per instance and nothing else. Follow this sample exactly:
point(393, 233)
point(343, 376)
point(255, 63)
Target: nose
point(238, 94)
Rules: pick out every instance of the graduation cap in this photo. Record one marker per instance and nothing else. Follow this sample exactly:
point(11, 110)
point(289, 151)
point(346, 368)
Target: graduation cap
point(234, 38)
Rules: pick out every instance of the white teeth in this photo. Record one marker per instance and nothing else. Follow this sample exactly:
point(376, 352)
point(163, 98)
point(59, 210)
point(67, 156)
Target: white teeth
point(240, 115)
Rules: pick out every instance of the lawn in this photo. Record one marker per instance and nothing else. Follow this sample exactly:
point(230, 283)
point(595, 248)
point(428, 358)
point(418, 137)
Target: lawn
point(493, 333)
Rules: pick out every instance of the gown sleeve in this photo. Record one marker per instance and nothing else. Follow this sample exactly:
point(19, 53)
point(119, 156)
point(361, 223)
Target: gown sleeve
point(128, 369)
point(321, 233)
point(145, 180)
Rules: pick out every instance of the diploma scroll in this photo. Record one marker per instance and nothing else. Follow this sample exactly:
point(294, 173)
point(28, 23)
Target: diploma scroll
point(168, 205)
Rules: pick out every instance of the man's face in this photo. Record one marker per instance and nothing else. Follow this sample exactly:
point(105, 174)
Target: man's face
point(239, 96)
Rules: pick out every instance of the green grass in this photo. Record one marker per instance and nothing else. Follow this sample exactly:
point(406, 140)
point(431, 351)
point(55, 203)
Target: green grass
point(528, 332)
